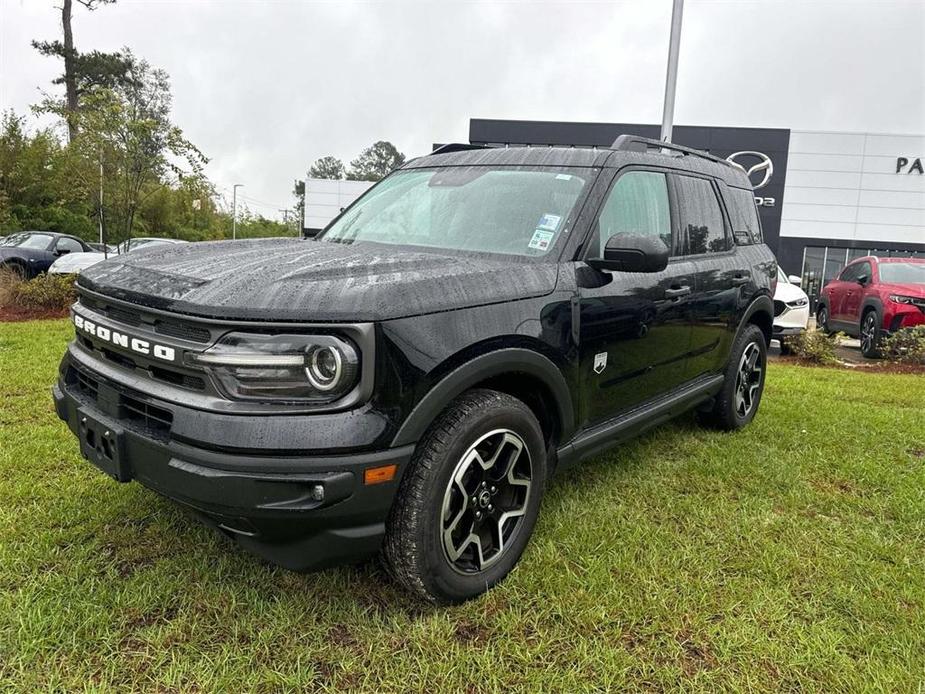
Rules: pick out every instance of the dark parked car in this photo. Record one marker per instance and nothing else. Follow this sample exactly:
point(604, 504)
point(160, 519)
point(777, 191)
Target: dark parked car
point(874, 297)
point(408, 381)
point(30, 253)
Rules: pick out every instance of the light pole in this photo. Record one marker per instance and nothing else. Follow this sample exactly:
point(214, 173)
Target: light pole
point(234, 210)
point(671, 78)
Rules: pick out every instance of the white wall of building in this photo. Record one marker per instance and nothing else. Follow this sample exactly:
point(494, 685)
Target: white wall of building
point(845, 186)
point(324, 199)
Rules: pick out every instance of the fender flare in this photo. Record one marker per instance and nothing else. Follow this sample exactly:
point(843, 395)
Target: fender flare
point(481, 368)
point(871, 302)
point(759, 303)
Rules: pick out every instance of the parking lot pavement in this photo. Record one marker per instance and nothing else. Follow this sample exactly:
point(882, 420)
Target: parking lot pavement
point(848, 351)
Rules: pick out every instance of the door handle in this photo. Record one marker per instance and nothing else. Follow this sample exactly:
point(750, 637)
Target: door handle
point(739, 279)
point(676, 292)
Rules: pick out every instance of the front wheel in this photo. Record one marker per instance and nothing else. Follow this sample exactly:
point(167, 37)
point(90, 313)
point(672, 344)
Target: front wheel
point(822, 319)
point(468, 502)
point(737, 402)
point(870, 334)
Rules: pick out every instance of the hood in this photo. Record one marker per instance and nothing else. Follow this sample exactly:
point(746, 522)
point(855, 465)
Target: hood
point(295, 280)
point(904, 288)
point(788, 292)
point(74, 262)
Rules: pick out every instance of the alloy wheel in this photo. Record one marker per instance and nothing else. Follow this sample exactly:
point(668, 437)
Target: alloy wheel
point(485, 500)
point(748, 379)
point(868, 332)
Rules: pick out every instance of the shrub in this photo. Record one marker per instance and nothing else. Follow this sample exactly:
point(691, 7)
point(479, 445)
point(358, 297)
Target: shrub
point(9, 281)
point(815, 346)
point(44, 293)
point(907, 346)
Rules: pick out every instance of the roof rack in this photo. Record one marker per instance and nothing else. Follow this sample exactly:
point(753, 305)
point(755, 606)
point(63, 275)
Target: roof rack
point(456, 147)
point(635, 143)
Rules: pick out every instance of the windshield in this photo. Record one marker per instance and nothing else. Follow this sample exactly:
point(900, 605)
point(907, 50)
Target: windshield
point(34, 241)
point(509, 210)
point(902, 273)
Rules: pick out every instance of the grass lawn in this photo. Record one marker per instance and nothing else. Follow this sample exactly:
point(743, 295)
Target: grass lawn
point(791, 555)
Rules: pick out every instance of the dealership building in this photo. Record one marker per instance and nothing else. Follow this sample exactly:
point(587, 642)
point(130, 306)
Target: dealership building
point(824, 198)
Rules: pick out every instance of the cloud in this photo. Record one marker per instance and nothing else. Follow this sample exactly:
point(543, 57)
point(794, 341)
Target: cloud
point(264, 88)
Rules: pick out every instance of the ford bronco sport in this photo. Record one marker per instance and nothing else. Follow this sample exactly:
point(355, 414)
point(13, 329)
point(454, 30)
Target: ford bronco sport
point(407, 382)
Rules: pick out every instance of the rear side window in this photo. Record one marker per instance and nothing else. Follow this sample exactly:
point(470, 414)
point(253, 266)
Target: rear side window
point(637, 204)
point(743, 214)
point(701, 216)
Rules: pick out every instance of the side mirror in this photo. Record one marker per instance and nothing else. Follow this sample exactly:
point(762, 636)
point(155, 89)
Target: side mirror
point(862, 279)
point(62, 251)
point(632, 253)
point(794, 279)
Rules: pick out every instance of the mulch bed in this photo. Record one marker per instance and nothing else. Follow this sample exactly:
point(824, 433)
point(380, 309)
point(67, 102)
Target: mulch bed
point(9, 314)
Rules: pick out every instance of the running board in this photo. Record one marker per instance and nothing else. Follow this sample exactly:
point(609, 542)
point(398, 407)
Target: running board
point(637, 420)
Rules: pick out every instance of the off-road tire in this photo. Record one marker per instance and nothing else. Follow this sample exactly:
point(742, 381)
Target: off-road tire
point(413, 551)
point(724, 414)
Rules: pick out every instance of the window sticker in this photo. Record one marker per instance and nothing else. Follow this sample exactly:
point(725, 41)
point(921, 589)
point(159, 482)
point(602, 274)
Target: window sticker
point(549, 222)
point(541, 240)
point(563, 177)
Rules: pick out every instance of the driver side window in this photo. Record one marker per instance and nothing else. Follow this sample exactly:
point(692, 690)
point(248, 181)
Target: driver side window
point(637, 204)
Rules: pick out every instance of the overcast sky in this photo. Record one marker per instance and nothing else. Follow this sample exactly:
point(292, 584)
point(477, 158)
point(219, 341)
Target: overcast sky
point(265, 87)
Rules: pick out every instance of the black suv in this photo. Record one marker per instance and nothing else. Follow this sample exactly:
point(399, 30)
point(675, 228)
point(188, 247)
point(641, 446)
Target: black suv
point(408, 381)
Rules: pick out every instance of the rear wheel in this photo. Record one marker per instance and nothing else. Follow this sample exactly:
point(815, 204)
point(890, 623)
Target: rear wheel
point(737, 402)
point(469, 500)
point(870, 334)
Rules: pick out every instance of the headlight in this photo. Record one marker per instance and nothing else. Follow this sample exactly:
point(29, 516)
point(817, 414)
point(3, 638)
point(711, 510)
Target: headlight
point(797, 303)
point(903, 299)
point(306, 369)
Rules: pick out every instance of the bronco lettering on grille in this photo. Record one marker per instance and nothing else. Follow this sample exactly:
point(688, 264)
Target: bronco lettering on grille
point(114, 337)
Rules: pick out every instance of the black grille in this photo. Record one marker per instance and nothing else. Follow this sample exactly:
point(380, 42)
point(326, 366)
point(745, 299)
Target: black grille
point(183, 331)
point(120, 359)
point(779, 307)
point(178, 379)
point(155, 419)
point(123, 316)
point(86, 385)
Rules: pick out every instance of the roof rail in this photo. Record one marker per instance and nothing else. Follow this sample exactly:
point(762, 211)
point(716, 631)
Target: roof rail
point(635, 143)
point(457, 147)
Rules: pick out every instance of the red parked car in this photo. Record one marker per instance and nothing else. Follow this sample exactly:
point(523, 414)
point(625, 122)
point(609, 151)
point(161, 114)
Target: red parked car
point(873, 297)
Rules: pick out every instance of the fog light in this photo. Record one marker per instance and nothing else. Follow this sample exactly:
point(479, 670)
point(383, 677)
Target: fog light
point(318, 492)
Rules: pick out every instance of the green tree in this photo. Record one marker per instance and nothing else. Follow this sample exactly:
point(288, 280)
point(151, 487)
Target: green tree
point(42, 184)
point(375, 162)
point(328, 167)
point(128, 128)
point(82, 71)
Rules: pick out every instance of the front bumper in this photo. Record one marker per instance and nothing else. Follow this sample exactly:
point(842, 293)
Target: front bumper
point(792, 321)
point(903, 316)
point(266, 499)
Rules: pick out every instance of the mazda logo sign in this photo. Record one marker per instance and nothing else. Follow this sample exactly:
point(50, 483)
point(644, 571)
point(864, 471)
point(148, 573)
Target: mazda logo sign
point(763, 165)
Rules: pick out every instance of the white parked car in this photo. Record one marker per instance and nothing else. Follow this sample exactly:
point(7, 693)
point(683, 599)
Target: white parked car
point(73, 263)
point(791, 309)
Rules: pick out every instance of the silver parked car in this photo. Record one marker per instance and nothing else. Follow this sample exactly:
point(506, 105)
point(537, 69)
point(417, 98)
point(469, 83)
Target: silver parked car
point(73, 263)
